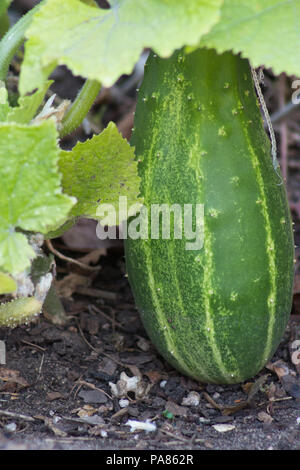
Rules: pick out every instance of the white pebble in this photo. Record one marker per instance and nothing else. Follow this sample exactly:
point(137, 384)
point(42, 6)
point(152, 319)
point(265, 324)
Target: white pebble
point(11, 427)
point(203, 420)
point(193, 399)
point(123, 403)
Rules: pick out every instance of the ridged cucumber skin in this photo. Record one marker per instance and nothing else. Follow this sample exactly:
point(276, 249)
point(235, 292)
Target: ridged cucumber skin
point(216, 314)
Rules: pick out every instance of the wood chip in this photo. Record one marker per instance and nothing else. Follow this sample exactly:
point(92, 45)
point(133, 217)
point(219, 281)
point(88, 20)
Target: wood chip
point(49, 423)
point(264, 417)
point(10, 414)
point(223, 427)
point(13, 382)
point(2, 352)
point(54, 396)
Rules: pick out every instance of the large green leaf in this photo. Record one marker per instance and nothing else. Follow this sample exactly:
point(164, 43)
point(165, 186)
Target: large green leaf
point(4, 105)
point(98, 171)
point(104, 44)
point(30, 192)
point(265, 31)
point(28, 106)
point(7, 284)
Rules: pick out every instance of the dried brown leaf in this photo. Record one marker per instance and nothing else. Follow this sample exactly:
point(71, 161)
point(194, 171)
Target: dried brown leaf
point(155, 376)
point(93, 256)
point(247, 386)
point(135, 370)
point(54, 396)
point(49, 423)
point(176, 410)
point(86, 410)
point(69, 284)
point(230, 410)
point(256, 386)
point(264, 417)
point(13, 382)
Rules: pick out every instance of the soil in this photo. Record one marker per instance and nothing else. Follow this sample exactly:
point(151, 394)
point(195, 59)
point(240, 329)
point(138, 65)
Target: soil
point(60, 386)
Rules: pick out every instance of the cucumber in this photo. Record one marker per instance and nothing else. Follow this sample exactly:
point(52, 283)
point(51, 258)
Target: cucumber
point(216, 313)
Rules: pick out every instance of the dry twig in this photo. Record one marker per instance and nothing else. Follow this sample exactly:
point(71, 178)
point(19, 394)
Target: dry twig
point(70, 260)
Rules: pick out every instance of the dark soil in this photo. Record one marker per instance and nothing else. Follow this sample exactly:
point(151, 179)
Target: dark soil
point(56, 385)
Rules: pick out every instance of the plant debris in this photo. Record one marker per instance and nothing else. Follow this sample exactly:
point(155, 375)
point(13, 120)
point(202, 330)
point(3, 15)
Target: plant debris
point(83, 382)
point(91, 379)
point(137, 425)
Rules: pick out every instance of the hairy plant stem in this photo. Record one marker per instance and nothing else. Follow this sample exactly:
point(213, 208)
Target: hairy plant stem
point(81, 106)
point(13, 39)
point(19, 311)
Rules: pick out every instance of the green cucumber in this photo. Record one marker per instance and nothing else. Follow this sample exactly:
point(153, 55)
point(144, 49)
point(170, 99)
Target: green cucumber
point(216, 313)
point(19, 311)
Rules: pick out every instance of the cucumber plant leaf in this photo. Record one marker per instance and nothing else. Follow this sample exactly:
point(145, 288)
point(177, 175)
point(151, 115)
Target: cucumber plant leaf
point(31, 197)
point(4, 4)
point(264, 31)
point(4, 104)
point(98, 171)
point(27, 105)
point(102, 44)
point(7, 284)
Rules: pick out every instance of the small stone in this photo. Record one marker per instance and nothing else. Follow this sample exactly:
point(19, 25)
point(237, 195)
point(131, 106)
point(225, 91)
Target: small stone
point(203, 420)
point(123, 403)
point(11, 427)
point(143, 344)
point(193, 399)
point(93, 396)
point(264, 417)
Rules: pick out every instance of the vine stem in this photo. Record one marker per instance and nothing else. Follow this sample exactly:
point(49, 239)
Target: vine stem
point(10, 43)
point(13, 39)
point(19, 311)
point(80, 107)
point(4, 24)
